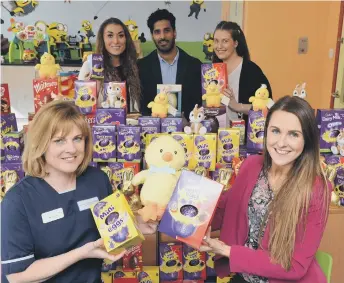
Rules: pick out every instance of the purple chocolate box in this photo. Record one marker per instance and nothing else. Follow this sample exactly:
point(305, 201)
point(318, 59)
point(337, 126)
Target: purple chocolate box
point(104, 143)
point(149, 125)
point(170, 261)
point(8, 123)
point(171, 125)
point(193, 264)
point(330, 123)
point(110, 116)
point(129, 143)
point(255, 130)
point(339, 182)
point(13, 143)
point(97, 66)
point(9, 177)
point(210, 264)
point(18, 167)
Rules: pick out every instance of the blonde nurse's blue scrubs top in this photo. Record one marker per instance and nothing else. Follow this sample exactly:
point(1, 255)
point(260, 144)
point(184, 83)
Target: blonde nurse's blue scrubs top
point(37, 222)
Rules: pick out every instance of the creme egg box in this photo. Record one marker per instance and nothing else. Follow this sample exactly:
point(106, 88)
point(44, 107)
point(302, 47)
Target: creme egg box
point(190, 208)
point(116, 223)
point(194, 264)
point(13, 143)
point(255, 130)
point(228, 141)
point(97, 64)
point(86, 96)
point(104, 143)
point(170, 261)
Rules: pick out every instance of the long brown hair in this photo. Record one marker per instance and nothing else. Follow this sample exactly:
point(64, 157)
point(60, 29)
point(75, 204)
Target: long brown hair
point(289, 208)
point(127, 59)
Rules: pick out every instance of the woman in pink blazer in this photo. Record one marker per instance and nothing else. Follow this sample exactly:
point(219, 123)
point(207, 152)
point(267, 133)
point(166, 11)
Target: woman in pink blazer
point(273, 218)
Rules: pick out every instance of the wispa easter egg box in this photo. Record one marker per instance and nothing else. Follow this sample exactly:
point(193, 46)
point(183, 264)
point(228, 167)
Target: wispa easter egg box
point(104, 143)
point(194, 264)
point(116, 223)
point(255, 130)
point(330, 123)
point(191, 208)
point(129, 143)
point(170, 261)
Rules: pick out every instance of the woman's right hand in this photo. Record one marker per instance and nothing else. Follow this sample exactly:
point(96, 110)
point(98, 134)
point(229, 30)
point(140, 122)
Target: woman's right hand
point(96, 249)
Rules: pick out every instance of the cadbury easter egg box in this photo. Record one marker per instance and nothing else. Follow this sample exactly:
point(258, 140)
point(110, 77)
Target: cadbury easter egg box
point(116, 223)
point(191, 208)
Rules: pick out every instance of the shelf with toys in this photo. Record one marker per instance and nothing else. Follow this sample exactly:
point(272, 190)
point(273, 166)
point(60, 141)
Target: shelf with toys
point(125, 149)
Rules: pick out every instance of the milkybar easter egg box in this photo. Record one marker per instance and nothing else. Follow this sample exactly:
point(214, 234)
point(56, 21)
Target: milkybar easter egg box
point(116, 223)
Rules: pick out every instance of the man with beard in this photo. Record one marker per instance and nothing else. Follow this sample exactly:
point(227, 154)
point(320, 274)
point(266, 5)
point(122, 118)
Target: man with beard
point(169, 64)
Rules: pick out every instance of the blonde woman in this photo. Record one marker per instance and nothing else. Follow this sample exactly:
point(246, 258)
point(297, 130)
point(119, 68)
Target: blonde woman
point(273, 218)
point(47, 231)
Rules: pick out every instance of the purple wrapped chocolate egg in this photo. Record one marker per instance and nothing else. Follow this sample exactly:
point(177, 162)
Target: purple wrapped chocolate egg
point(141, 275)
point(214, 125)
point(334, 133)
point(121, 235)
point(119, 274)
point(183, 230)
point(106, 267)
point(113, 216)
point(11, 147)
point(227, 146)
point(104, 142)
point(98, 207)
point(204, 152)
point(171, 262)
point(85, 97)
point(260, 134)
point(189, 210)
point(194, 262)
point(129, 143)
point(97, 66)
point(227, 159)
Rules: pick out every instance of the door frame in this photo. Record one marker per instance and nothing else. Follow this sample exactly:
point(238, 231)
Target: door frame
point(338, 45)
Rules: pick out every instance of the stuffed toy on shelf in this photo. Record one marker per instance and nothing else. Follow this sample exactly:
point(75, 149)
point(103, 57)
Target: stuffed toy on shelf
point(165, 158)
point(47, 69)
point(196, 117)
point(260, 100)
point(159, 105)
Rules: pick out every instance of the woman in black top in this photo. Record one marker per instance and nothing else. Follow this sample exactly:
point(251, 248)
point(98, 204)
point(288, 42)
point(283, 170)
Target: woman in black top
point(244, 76)
point(116, 46)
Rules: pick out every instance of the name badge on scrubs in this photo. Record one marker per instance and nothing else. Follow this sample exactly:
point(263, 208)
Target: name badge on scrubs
point(87, 203)
point(52, 215)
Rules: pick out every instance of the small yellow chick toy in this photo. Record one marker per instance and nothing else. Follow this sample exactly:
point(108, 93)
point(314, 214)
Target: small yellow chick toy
point(159, 105)
point(165, 158)
point(47, 69)
point(260, 100)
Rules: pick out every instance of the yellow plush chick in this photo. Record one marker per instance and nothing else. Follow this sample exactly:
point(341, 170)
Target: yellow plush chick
point(47, 69)
point(213, 94)
point(159, 105)
point(260, 100)
point(165, 158)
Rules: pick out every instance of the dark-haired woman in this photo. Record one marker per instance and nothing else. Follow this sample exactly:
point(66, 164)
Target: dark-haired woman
point(244, 76)
point(116, 46)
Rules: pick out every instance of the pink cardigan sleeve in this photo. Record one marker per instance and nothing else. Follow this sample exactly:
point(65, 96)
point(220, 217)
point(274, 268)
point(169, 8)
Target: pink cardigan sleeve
point(246, 260)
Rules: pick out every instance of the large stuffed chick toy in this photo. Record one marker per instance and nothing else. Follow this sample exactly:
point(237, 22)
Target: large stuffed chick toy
point(47, 69)
point(165, 158)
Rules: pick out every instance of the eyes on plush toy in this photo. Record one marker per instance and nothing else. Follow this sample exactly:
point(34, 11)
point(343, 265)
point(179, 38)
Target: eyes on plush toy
point(165, 158)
